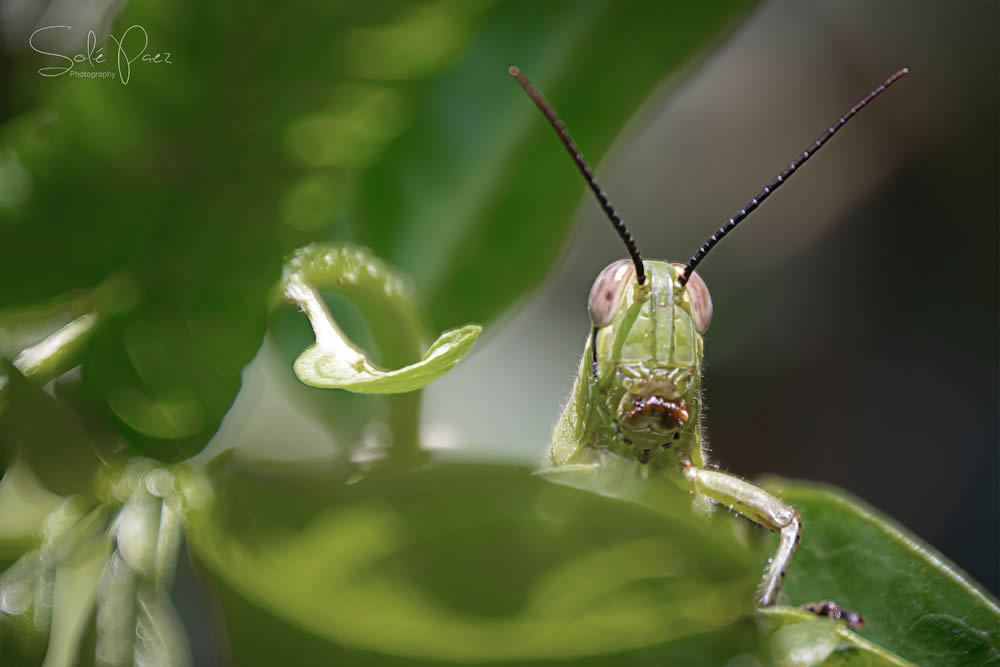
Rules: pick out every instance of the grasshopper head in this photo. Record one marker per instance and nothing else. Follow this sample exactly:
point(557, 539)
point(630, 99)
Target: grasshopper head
point(648, 343)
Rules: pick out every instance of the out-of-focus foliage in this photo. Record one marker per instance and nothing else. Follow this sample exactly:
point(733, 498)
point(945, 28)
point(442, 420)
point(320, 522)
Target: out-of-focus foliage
point(800, 639)
point(392, 124)
point(38, 428)
point(467, 563)
point(501, 566)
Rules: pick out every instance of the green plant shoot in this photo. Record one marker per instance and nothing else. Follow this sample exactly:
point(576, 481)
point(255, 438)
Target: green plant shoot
point(637, 395)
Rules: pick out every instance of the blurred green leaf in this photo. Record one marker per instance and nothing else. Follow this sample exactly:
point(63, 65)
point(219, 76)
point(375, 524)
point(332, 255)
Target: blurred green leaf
point(476, 200)
point(197, 186)
point(20, 642)
point(915, 603)
point(169, 372)
point(475, 563)
point(260, 637)
point(801, 639)
point(356, 138)
point(48, 437)
point(24, 504)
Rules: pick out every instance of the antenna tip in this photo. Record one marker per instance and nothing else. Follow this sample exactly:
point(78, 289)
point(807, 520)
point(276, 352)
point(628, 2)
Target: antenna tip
point(514, 71)
point(896, 77)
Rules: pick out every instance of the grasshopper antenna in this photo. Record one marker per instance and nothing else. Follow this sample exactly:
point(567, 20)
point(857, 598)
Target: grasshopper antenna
point(574, 152)
point(783, 176)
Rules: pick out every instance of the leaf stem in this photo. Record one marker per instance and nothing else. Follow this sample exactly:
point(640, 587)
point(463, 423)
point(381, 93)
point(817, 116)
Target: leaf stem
point(63, 350)
point(59, 352)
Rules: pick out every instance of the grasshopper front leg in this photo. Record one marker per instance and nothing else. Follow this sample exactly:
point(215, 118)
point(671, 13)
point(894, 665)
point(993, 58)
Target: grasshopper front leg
point(770, 512)
point(760, 507)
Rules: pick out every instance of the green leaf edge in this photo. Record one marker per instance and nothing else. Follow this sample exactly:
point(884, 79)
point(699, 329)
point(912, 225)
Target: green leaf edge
point(865, 512)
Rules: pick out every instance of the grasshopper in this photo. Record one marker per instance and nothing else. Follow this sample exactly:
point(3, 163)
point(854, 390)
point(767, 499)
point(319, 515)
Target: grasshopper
point(637, 394)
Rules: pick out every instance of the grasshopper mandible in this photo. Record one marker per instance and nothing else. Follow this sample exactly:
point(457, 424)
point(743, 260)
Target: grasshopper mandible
point(637, 394)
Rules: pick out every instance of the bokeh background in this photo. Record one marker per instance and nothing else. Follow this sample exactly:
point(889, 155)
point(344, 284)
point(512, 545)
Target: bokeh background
point(855, 334)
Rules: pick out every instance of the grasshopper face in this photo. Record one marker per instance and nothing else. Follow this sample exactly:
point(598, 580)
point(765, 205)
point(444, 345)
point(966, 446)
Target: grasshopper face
point(649, 349)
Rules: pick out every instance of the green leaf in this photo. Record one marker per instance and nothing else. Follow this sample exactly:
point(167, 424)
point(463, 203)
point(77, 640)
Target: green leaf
point(476, 200)
point(48, 437)
point(382, 295)
point(24, 504)
point(385, 297)
point(477, 563)
point(205, 205)
point(169, 370)
point(355, 139)
point(915, 603)
point(801, 639)
point(260, 637)
point(336, 368)
point(21, 643)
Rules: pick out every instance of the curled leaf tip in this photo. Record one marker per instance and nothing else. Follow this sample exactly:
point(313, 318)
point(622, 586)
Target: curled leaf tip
point(322, 366)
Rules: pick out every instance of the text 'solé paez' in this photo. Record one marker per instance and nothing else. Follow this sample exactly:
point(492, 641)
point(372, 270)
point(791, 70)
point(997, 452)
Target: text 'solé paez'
point(118, 55)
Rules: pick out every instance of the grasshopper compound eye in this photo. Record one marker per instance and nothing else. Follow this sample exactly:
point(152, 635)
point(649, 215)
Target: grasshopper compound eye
point(604, 295)
point(696, 294)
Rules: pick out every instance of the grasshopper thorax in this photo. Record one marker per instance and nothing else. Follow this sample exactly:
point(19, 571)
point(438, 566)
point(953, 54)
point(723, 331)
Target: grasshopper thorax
point(647, 346)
